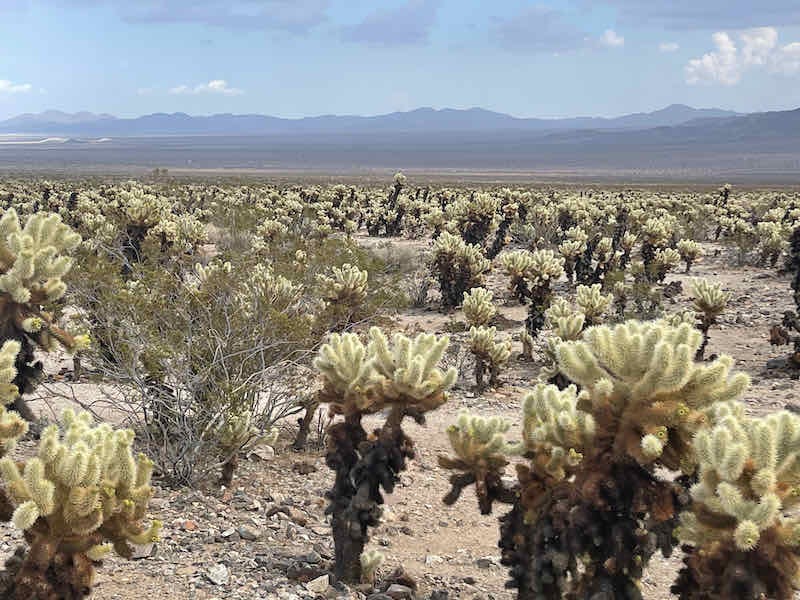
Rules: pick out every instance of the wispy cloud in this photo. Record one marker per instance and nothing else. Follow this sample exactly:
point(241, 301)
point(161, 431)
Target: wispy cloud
point(215, 86)
point(704, 14)
point(611, 39)
point(9, 87)
point(293, 16)
point(668, 47)
point(757, 48)
point(408, 24)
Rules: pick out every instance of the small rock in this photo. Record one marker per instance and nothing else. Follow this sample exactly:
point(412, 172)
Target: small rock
point(432, 559)
point(400, 592)
point(249, 534)
point(218, 574)
point(486, 562)
point(319, 585)
point(262, 452)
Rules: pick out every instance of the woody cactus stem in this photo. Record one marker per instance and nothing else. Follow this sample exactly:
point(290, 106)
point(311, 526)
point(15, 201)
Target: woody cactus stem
point(358, 380)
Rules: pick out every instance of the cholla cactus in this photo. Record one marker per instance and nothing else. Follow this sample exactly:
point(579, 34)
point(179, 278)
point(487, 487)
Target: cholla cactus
point(458, 267)
point(480, 447)
point(371, 561)
point(33, 262)
point(348, 285)
point(592, 303)
point(588, 509)
point(12, 426)
point(690, 252)
point(644, 374)
point(531, 271)
point(664, 261)
point(345, 292)
point(772, 241)
point(478, 307)
point(709, 303)
point(235, 433)
point(739, 542)
point(362, 379)
point(490, 355)
point(83, 495)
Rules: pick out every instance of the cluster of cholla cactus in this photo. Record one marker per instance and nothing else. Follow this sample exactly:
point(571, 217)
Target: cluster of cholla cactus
point(345, 292)
point(490, 355)
point(567, 323)
point(780, 334)
point(458, 267)
point(83, 495)
point(591, 505)
point(709, 303)
point(479, 308)
point(690, 252)
point(33, 262)
point(532, 278)
point(740, 536)
point(362, 379)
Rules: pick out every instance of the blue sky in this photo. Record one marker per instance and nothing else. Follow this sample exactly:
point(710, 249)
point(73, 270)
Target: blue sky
point(306, 57)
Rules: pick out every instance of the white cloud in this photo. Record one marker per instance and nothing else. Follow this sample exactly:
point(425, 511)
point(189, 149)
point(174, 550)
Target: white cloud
point(668, 46)
point(215, 86)
point(719, 66)
point(611, 39)
point(758, 49)
point(9, 87)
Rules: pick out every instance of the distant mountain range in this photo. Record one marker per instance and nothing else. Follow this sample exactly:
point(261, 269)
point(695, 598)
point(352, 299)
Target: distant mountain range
point(677, 143)
point(416, 121)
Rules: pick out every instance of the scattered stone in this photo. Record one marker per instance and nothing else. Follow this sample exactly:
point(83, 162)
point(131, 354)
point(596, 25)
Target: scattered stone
point(487, 562)
point(218, 574)
point(400, 592)
point(248, 534)
point(319, 585)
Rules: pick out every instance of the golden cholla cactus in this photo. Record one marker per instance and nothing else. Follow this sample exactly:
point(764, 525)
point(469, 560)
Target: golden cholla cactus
point(348, 285)
point(592, 303)
point(489, 354)
point(709, 299)
point(709, 303)
point(559, 307)
point(371, 561)
point(741, 527)
point(33, 262)
point(82, 495)
point(643, 377)
point(142, 208)
point(478, 307)
point(545, 268)
point(554, 427)
point(12, 426)
point(690, 252)
point(480, 447)
point(517, 265)
point(32, 259)
point(458, 267)
point(359, 378)
point(666, 259)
